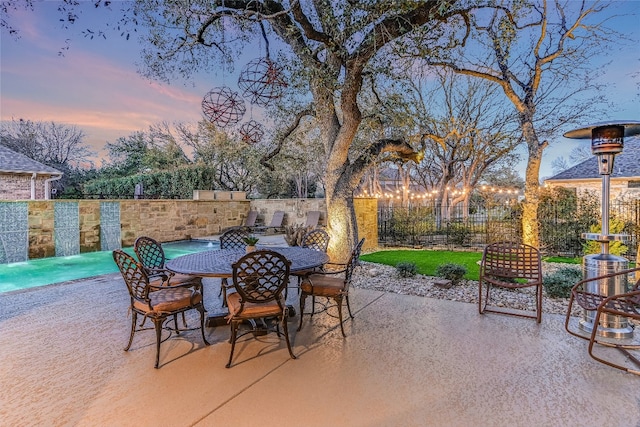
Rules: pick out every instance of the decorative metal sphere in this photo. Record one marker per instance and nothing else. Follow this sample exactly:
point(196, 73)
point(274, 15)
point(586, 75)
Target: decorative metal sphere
point(223, 107)
point(262, 81)
point(251, 132)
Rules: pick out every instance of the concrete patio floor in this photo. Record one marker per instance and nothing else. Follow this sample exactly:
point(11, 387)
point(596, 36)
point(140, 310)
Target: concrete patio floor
point(406, 361)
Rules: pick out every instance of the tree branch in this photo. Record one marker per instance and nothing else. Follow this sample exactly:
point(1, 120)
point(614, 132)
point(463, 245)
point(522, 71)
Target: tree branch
point(264, 161)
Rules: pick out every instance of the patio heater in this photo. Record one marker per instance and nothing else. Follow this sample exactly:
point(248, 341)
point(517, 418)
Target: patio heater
point(607, 140)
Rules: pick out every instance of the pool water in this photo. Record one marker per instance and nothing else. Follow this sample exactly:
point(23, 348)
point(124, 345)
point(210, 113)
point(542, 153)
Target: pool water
point(46, 271)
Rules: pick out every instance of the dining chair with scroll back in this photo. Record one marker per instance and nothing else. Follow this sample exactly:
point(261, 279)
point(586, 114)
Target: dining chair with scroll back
point(259, 279)
point(233, 238)
point(156, 300)
point(331, 284)
point(152, 257)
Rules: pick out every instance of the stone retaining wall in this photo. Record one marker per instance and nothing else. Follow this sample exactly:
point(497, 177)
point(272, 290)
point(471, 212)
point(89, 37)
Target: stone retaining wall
point(169, 220)
point(164, 220)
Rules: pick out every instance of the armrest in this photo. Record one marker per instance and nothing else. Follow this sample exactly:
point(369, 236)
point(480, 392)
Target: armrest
point(580, 286)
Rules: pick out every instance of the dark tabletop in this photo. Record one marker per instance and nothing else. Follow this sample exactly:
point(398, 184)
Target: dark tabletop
point(218, 263)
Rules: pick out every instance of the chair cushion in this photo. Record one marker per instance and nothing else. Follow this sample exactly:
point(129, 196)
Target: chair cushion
point(170, 299)
point(323, 285)
point(251, 310)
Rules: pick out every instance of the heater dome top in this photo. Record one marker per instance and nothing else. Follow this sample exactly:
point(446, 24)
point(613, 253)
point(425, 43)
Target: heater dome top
point(631, 127)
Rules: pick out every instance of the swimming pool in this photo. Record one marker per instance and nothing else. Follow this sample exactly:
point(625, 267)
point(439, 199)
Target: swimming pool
point(46, 271)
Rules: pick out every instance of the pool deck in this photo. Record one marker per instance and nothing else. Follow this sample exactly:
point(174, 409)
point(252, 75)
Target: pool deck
point(406, 361)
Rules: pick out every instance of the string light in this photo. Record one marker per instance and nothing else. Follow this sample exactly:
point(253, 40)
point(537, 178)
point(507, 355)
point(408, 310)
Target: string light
point(428, 194)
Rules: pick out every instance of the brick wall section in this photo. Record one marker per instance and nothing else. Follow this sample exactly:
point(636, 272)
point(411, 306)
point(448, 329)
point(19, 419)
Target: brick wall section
point(18, 187)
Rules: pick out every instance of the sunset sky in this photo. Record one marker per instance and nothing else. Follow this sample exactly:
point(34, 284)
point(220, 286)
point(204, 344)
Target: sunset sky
point(96, 87)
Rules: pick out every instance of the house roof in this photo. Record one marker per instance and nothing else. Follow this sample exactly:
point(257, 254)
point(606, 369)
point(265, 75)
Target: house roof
point(626, 165)
point(14, 162)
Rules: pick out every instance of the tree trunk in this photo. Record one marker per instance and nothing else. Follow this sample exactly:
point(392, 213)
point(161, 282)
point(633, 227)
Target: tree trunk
point(530, 224)
point(341, 222)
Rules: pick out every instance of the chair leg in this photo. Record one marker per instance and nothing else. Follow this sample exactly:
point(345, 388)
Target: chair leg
point(202, 316)
point(346, 297)
point(158, 324)
point(482, 305)
point(223, 291)
point(303, 298)
point(134, 320)
point(593, 340)
point(175, 322)
point(338, 300)
point(285, 329)
point(539, 304)
point(234, 332)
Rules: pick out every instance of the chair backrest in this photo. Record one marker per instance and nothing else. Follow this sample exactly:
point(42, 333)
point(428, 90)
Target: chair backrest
point(261, 276)
point(149, 252)
point(313, 217)
point(317, 239)
point(354, 261)
point(250, 221)
point(512, 260)
point(233, 238)
point(133, 274)
point(278, 217)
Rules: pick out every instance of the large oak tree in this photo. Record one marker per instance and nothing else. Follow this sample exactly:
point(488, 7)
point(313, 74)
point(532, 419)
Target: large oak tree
point(336, 44)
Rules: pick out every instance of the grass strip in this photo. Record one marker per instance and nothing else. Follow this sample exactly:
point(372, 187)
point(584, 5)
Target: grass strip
point(427, 261)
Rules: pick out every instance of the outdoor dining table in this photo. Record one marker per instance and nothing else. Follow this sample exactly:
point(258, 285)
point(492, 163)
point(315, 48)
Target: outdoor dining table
point(218, 263)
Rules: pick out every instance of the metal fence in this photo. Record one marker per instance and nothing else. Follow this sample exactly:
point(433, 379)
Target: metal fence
point(474, 226)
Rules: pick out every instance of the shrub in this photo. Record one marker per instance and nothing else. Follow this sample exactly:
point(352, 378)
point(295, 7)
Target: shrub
point(616, 226)
point(458, 233)
point(559, 283)
point(406, 269)
point(451, 271)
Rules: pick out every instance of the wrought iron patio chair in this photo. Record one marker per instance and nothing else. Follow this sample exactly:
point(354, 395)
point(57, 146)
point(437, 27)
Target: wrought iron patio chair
point(259, 279)
point(233, 238)
point(317, 239)
point(151, 255)
point(153, 259)
point(155, 300)
point(510, 265)
point(333, 285)
point(609, 311)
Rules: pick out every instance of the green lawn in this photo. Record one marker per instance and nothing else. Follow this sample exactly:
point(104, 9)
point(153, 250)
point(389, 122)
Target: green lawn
point(577, 260)
point(428, 261)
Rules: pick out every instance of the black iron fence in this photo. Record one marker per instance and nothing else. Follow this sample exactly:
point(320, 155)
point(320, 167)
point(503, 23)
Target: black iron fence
point(474, 226)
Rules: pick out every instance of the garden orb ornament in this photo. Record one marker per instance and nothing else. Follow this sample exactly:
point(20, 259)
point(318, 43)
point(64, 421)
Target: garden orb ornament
point(223, 107)
point(262, 81)
point(251, 132)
